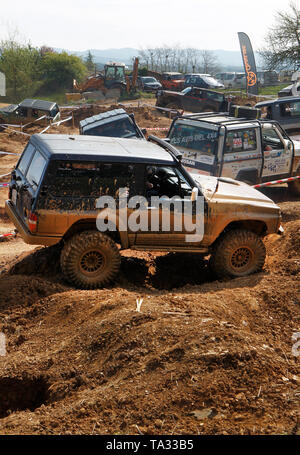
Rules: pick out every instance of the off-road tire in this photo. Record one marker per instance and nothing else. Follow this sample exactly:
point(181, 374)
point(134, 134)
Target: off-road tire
point(294, 187)
point(90, 260)
point(238, 253)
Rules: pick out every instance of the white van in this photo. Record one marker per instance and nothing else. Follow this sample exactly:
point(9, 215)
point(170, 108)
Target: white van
point(232, 79)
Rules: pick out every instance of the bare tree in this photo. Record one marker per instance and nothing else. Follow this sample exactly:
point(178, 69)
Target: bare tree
point(282, 50)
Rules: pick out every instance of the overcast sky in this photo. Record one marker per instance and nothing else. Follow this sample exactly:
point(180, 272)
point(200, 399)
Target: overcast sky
point(102, 24)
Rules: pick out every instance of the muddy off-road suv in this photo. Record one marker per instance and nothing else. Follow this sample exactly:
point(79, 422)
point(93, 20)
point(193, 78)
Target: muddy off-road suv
point(59, 180)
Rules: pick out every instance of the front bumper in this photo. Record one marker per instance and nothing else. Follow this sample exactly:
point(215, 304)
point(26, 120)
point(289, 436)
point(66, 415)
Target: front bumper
point(23, 230)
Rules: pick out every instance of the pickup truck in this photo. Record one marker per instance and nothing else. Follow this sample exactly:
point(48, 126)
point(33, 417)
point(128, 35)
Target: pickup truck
point(192, 99)
point(250, 150)
point(285, 110)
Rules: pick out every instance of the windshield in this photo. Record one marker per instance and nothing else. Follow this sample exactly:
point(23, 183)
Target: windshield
point(210, 80)
point(149, 79)
point(120, 128)
point(176, 77)
point(194, 137)
point(186, 90)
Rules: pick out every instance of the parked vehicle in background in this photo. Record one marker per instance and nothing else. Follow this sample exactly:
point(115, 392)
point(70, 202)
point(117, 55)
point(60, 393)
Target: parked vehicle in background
point(54, 197)
point(285, 110)
point(232, 79)
point(290, 90)
point(148, 84)
point(192, 99)
point(267, 78)
point(172, 81)
point(253, 151)
point(28, 111)
point(285, 75)
point(115, 123)
point(202, 81)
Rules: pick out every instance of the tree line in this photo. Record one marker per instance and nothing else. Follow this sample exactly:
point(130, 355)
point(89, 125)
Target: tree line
point(174, 58)
point(30, 71)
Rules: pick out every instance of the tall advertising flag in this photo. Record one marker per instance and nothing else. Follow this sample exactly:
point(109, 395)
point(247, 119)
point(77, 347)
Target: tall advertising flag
point(249, 63)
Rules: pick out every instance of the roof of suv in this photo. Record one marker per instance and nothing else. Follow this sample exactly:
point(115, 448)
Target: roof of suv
point(102, 116)
point(67, 147)
point(219, 119)
point(38, 104)
point(283, 99)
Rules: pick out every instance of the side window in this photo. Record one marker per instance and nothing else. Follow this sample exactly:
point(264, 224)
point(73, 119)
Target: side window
point(36, 169)
point(25, 159)
point(271, 138)
point(241, 141)
point(215, 96)
point(198, 93)
point(88, 179)
point(166, 181)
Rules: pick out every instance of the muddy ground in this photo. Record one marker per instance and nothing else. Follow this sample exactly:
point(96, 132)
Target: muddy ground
point(201, 357)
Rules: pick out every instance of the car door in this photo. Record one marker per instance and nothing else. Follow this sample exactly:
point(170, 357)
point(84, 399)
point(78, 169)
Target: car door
point(198, 143)
point(166, 222)
point(28, 174)
point(194, 100)
point(242, 156)
point(278, 155)
point(18, 178)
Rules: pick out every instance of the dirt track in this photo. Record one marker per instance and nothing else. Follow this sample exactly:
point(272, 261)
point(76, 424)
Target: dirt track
point(202, 356)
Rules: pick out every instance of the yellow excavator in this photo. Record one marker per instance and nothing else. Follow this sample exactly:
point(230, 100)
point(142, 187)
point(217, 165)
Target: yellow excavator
point(111, 81)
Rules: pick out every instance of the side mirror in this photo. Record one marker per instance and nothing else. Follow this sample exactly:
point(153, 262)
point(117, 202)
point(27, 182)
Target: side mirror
point(194, 194)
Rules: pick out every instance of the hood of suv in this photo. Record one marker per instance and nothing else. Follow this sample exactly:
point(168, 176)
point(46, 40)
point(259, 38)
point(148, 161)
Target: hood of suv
point(222, 189)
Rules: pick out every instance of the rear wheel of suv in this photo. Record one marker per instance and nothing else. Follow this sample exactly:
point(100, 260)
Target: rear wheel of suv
point(238, 253)
point(90, 260)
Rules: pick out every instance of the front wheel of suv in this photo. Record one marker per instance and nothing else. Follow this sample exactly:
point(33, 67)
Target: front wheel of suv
point(294, 187)
point(238, 253)
point(90, 260)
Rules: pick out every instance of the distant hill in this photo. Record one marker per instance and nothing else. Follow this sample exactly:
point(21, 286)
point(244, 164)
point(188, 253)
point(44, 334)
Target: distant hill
point(229, 60)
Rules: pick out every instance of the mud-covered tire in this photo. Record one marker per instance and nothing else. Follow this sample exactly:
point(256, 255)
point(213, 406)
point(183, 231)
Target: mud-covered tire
point(90, 260)
point(238, 253)
point(294, 187)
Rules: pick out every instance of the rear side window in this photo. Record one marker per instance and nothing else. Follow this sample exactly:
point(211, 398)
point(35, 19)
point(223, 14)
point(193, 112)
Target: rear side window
point(240, 141)
point(36, 169)
point(77, 185)
point(26, 158)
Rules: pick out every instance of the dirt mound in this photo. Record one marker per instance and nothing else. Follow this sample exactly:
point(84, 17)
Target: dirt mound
point(43, 262)
point(196, 361)
point(284, 252)
point(22, 291)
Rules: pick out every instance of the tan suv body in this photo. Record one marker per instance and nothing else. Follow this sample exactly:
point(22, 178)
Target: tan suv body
point(59, 179)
